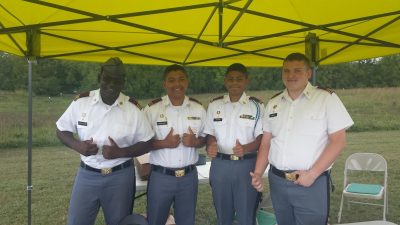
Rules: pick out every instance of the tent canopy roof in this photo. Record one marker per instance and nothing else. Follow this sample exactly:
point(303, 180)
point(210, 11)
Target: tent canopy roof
point(201, 32)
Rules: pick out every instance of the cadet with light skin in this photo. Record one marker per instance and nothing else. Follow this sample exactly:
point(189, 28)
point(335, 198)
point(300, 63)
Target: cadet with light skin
point(234, 129)
point(304, 132)
point(111, 129)
point(178, 122)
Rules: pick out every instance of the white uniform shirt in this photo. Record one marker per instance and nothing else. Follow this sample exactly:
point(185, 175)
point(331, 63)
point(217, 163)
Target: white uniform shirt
point(90, 118)
point(300, 128)
point(163, 116)
point(228, 121)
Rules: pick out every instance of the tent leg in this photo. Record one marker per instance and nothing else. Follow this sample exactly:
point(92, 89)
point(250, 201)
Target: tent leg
point(29, 187)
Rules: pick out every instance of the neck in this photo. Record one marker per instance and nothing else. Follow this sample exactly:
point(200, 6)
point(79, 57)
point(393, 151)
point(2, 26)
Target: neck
point(234, 98)
point(294, 94)
point(176, 101)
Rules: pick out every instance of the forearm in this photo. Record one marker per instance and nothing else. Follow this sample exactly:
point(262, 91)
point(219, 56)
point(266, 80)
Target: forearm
point(211, 139)
point(137, 149)
point(262, 154)
point(253, 146)
point(68, 139)
point(157, 144)
point(199, 142)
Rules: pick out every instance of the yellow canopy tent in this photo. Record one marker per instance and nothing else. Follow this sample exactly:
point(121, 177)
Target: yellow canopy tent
point(201, 32)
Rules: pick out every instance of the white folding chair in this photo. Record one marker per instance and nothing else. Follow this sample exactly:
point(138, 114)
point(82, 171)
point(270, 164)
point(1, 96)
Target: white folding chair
point(358, 188)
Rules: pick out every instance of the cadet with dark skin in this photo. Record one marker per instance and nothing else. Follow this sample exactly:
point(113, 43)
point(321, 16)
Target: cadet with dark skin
point(111, 129)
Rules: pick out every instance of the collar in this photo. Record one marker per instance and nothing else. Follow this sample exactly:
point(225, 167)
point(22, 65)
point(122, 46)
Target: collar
point(166, 101)
point(242, 100)
point(307, 92)
point(96, 97)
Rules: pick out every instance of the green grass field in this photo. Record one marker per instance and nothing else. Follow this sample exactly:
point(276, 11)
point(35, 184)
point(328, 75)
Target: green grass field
point(377, 129)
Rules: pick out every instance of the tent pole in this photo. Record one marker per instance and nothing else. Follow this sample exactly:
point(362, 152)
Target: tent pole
point(312, 52)
point(29, 187)
point(314, 76)
point(33, 50)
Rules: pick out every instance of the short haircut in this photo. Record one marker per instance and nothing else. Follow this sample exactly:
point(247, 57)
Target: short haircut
point(237, 67)
point(296, 56)
point(173, 67)
point(113, 66)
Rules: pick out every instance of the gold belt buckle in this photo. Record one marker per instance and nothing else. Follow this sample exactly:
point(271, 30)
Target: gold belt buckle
point(234, 157)
point(106, 171)
point(291, 176)
point(179, 173)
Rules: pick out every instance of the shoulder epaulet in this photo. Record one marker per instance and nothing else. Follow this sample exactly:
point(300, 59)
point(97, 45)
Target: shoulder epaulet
point(217, 98)
point(195, 100)
point(256, 100)
point(82, 95)
point(154, 101)
point(326, 89)
point(276, 94)
point(133, 101)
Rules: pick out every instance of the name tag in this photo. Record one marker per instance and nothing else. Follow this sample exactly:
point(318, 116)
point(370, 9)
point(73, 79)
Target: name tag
point(82, 123)
point(217, 119)
point(273, 115)
point(162, 123)
point(249, 117)
point(193, 118)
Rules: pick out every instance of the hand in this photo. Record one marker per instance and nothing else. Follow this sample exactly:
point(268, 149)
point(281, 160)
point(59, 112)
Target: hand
point(172, 141)
point(306, 178)
point(111, 151)
point(238, 150)
point(87, 147)
point(189, 139)
point(212, 149)
point(256, 181)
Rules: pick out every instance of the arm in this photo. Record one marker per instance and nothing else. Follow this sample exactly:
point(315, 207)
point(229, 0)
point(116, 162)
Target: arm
point(170, 141)
point(85, 148)
point(190, 140)
point(262, 161)
point(212, 146)
point(240, 150)
point(337, 142)
point(113, 151)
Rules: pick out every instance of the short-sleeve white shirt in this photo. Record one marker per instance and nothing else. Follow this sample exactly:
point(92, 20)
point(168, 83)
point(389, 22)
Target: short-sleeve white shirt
point(300, 128)
point(90, 118)
point(163, 116)
point(230, 121)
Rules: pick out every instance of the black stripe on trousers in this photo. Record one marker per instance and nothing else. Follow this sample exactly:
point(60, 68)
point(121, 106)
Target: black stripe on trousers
point(328, 185)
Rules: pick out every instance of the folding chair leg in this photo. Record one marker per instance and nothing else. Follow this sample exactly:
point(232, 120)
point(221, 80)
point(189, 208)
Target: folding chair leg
point(340, 210)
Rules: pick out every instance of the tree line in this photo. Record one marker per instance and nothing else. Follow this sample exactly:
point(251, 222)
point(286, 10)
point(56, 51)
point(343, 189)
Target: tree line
point(55, 77)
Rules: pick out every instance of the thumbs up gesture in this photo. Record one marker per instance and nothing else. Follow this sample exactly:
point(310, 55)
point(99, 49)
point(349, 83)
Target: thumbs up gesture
point(111, 151)
point(189, 139)
point(88, 147)
point(171, 140)
point(238, 150)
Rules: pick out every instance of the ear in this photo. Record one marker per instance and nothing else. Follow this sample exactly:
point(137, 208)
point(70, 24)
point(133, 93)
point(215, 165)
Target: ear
point(309, 73)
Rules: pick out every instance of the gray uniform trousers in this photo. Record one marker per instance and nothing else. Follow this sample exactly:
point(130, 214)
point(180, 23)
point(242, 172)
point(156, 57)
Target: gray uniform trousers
point(113, 192)
point(232, 191)
point(297, 205)
point(163, 190)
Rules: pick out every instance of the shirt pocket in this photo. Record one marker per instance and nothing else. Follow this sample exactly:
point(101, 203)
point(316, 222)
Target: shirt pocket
point(220, 127)
point(82, 128)
point(122, 134)
point(162, 128)
point(194, 123)
point(313, 123)
point(246, 120)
